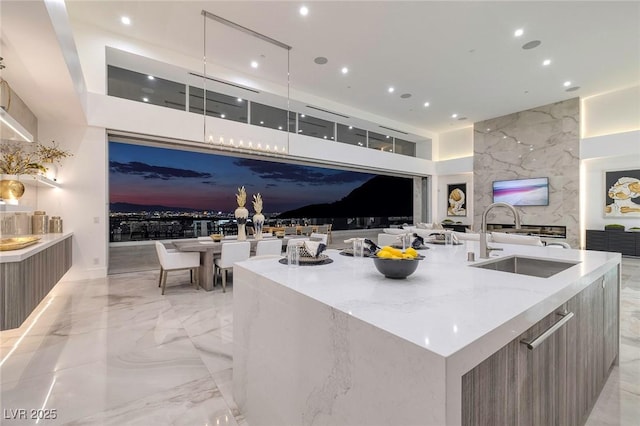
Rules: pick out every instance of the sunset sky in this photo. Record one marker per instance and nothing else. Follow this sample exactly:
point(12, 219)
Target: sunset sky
point(158, 176)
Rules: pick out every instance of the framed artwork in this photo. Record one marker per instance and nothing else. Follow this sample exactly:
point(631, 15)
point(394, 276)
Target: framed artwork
point(622, 193)
point(457, 199)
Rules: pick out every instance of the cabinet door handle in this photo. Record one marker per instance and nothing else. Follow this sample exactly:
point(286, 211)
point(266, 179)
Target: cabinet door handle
point(532, 344)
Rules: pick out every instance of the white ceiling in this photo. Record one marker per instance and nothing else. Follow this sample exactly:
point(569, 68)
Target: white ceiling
point(462, 57)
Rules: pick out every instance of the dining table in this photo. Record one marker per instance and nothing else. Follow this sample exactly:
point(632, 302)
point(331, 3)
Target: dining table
point(209, 251)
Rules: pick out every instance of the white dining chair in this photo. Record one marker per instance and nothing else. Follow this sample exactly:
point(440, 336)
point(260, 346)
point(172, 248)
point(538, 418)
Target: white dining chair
point(297, 240)
point(290, 230)
point(318, 237)
point(385, 239)
point(171, 260)
point(271, 246)
point(230, 254)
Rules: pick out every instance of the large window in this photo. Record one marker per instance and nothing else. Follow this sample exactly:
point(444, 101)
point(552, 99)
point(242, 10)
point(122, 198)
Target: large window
point(352, 135)
point(218, 105)
point(157, 192)
point(381, 142)
point(145, 88)
point(315, 127)
point(271, 117)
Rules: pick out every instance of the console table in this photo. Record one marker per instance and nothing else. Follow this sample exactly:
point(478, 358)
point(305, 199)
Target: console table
point(627, 243)
point(27, 275)
point(545, 231)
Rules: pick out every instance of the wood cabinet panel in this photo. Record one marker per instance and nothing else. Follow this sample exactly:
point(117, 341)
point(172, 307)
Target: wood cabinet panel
point(585, 352)
point(559, 381)
point(489, 391)
point(542, 376)
point(611, 315)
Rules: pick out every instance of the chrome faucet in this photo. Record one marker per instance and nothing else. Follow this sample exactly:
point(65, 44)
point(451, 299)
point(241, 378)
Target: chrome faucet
point(484, 248)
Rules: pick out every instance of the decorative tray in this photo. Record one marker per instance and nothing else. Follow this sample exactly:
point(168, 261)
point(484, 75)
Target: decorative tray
point(442, 242)
point(17, 243)
point(322, 259)
point(422, 247)
point(349, 252)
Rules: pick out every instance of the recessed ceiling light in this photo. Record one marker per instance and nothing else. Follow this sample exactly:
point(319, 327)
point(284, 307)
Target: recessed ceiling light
point(426, 104)
point(344, 70)
point(488, 130)
point(145, 99)
point(454, 115)
point(518, 32)
point(546, 62)
point(566, 84)
point(304, 11)
point(150, 77)
point(222, 116)
point(390, 89)
point(254, 64)
point(125, 20)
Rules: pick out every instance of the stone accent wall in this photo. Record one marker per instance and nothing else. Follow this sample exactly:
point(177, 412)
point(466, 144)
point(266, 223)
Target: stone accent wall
point(540, 142)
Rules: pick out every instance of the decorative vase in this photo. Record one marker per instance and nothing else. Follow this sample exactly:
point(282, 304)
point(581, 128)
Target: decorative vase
point(241, 215)
point(258, 223)
point(11, 189)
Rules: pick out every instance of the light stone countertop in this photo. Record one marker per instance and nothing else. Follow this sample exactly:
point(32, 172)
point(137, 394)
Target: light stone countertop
point(446, 305)
point(46, 240)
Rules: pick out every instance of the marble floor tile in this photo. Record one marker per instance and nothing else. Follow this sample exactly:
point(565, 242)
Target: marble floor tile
point(114, 351)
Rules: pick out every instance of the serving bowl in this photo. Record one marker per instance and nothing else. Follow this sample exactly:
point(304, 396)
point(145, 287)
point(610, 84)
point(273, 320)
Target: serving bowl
point(396, 268)
point(216, 237)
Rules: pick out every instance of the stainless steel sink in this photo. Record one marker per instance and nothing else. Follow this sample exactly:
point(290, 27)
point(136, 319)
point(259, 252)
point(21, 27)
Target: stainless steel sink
point(543, 268)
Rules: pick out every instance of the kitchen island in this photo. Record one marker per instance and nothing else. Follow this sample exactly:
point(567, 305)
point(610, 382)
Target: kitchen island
point(340, 344)
point(28, 274)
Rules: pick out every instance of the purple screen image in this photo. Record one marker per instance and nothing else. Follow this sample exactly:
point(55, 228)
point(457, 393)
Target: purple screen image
point(522, 192)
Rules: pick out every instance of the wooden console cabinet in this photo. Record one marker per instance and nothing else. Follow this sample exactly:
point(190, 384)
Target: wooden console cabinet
point(24, 283)
point(627, 243)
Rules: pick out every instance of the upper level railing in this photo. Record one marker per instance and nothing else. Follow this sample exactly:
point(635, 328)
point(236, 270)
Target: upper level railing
point(140, 87)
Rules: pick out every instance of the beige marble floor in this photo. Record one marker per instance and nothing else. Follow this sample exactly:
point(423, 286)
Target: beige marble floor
point(113, 351)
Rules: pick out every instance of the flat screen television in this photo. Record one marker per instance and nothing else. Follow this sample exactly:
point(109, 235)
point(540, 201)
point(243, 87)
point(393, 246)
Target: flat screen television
point(522, 192)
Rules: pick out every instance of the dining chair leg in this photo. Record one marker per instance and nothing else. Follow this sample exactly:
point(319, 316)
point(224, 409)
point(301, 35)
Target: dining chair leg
point(224, 280)
point(191, 276)
point(216, 270)
point(164, 281)
point(160, 277)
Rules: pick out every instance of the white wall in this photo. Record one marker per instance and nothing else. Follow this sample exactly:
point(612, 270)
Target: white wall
point(454, 144)
point(611, 113)
point(610, 152)
point(82, 200)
